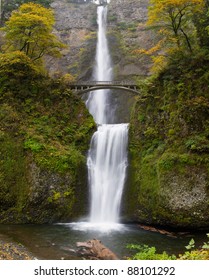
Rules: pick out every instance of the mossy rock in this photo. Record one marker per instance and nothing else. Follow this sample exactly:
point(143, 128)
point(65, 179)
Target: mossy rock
point(44, 137)
point(169, 144)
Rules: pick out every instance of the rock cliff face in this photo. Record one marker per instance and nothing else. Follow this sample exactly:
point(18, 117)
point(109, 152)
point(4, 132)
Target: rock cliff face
point(127, 22)
point(76, 26)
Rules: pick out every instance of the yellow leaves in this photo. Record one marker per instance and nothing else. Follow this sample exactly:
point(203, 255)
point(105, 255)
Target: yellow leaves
point(161, 10)
point(68, 79)
point(155, 48)
point(29, 30)
point(159, 62)
point(13, 57)
point(139, 51)
point(16, 66)
point(164, 31)
point(151, 51)
point(174, 20)
point(32, 15)
point(164, 4)
point(38, 10)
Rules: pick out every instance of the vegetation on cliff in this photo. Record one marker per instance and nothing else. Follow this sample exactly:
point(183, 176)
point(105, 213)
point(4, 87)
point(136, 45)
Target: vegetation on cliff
point(169, 135)
point(44, 134)
point(181, 27)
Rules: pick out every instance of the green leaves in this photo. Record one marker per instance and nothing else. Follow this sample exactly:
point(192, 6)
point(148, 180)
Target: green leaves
point(149, 253)
point(18, 74)
point(206, 244)
point(191, 244)
point(175, 22)
point(201, 253)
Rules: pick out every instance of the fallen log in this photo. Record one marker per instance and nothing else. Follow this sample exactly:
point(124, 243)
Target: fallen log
point(161, 231)
point(94, 249)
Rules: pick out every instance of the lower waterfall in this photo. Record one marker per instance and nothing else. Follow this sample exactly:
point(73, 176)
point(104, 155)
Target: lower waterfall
point(107, 162)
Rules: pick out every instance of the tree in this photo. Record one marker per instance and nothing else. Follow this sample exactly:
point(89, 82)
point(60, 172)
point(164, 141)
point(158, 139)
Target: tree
point(29, 30)
point(18, 74)
point(201, 22)
point(174, 20)
point(1, 4)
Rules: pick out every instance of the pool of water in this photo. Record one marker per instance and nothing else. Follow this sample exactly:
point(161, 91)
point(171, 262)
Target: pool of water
point(57, 241)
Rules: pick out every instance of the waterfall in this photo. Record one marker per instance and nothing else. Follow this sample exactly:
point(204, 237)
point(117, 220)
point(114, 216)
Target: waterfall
point(107, 163)
point(97, 103)
point(107, 157)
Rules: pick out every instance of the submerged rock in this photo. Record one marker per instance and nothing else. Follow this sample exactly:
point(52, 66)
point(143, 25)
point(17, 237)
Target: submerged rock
point(13, 251)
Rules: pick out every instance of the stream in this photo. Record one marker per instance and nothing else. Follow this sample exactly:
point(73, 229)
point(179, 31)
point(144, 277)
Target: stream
point(52, 242)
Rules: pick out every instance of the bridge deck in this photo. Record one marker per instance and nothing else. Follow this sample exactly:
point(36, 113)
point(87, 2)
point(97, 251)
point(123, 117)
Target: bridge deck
point(95, 83)
point(86, 86)
point(104, 83)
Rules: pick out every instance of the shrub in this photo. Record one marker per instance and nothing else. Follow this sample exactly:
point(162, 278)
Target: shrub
point(149, 253)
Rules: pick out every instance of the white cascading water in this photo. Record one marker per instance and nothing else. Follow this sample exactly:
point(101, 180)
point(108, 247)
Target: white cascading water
point(107, 163)
point(97, 102)
point(107, 158)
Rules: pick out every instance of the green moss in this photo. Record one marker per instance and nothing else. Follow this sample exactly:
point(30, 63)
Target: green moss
point(169, 146)
point(56, 196)
point(13, 174)
point(60, 160)
point(127, 26)
point(148, 183)
point(44, 136)
point(197, 143)
point(33, 145)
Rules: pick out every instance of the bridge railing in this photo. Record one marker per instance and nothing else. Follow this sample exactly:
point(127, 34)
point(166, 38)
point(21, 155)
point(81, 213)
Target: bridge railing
point(100, 83)
point(86, 86)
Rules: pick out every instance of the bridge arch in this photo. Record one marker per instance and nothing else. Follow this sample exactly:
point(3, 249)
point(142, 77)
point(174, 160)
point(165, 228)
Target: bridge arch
point(80, 92)
point(85, 87)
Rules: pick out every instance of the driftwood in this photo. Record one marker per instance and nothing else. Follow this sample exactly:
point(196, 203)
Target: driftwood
point(94, 249)
point(161, 231)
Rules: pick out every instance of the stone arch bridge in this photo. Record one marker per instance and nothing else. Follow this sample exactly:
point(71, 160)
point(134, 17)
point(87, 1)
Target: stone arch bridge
point(84, 87)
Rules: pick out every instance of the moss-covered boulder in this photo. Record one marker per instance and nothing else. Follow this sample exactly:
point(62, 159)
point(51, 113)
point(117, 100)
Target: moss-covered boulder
point(45, 132)
point(169, 146)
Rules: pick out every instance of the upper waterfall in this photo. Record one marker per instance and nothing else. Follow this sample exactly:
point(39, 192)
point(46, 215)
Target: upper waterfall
point(98, 104)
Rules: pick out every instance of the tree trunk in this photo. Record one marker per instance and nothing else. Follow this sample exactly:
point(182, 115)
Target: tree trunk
point(187, 40)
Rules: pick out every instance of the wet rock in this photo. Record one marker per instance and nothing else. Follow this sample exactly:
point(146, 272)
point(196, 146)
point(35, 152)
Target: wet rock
point(13, 251)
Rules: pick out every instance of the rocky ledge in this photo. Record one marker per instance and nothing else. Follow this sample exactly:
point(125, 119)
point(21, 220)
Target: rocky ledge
point(12, 251)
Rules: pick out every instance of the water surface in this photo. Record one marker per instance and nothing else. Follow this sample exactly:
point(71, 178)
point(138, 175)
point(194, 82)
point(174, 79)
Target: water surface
point(55, 241)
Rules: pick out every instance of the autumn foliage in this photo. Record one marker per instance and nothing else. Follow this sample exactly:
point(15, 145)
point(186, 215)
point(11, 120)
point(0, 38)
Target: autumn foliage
point(179, 24)
point(29, 30)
